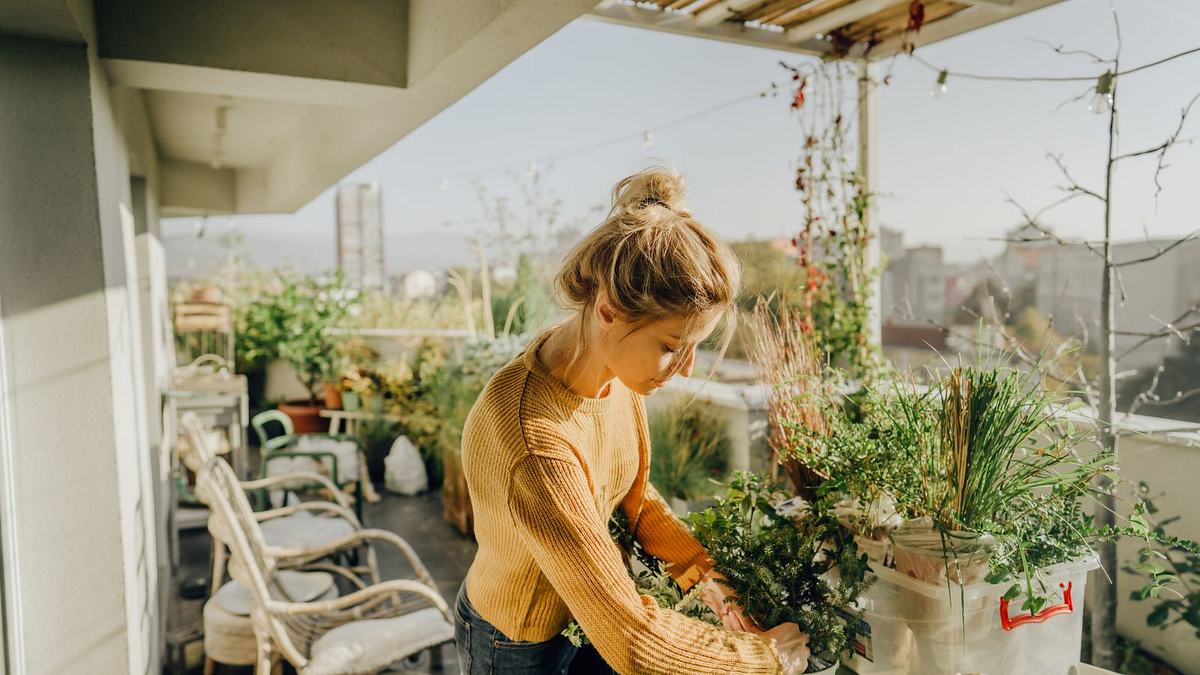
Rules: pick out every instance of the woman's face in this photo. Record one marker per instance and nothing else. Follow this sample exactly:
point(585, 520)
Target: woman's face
point(645, 357)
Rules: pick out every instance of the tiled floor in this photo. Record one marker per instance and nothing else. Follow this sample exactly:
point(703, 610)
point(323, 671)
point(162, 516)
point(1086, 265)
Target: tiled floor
point(419, 520)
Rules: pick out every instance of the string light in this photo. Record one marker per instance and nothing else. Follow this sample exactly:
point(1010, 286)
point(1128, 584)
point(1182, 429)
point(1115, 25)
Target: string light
point(1102, 101)
point(645, 135)
point(939, 87)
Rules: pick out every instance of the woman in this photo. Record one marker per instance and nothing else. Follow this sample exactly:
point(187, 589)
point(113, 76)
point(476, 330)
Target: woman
point(558, 440)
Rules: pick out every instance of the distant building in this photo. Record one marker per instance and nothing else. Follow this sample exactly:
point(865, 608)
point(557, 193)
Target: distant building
point(360, 235)
point(1018, 264)
point(1068, 289)
point(913, 284)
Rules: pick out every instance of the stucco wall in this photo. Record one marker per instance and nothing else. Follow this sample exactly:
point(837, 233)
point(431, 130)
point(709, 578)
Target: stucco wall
point(81, 526)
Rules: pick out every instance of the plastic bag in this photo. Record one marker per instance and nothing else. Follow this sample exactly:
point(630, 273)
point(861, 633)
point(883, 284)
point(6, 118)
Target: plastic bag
point(404, 469)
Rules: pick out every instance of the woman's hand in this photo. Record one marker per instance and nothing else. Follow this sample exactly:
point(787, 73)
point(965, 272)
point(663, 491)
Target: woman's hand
point(792, 646)
point(714, 595)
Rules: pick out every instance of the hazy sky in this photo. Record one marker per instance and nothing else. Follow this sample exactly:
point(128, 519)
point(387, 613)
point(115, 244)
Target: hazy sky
point(945, 164)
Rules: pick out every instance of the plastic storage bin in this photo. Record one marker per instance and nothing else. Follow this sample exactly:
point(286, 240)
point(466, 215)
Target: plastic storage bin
point(911, 626)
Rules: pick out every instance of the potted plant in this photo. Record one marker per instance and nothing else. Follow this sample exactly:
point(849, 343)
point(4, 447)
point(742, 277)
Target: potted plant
point(689, 448)
point(308, 308)
point(982, 468)
point(651, 577)
point(787, 560)
point(354, 357)
point(355, 387)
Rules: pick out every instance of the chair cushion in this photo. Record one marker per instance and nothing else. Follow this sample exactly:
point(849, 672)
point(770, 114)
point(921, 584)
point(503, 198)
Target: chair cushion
point(370, 645)
point(345, 451)
point(304, 530)
point(235, 598)
point(228, 630)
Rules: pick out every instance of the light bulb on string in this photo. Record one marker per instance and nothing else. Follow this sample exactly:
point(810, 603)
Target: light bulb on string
point(445, 184)
point(1103, 99)
point(647, 141)
point(940, 87)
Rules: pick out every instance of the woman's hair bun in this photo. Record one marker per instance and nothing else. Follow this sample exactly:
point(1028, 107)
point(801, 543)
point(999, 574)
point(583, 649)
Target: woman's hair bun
point(656, 186)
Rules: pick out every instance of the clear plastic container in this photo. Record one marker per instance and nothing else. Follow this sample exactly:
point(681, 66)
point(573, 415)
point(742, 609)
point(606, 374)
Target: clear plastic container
point(911, 626)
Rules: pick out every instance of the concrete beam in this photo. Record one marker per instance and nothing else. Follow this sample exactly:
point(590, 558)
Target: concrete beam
point(160, 76)
point(361, 42)
point(43, 19)
point(448, 62)
point(189, 188)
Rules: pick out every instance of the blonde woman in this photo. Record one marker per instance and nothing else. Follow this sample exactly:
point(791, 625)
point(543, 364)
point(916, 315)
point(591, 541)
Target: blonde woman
point(558, 440)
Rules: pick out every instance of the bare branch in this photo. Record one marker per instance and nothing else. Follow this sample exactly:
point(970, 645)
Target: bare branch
point(1032, 221)
point(1180, 332)
point(1091, 88)
point(1061, 50)
point(1150, 396)
point(1074, 185)
point(1162, 148)
point(1168, 330)
point(1120, 285)
point(1160, 252)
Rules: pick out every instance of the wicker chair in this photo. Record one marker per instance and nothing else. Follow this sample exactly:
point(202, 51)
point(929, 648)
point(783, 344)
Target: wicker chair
point(363, 632)
point(228, 630)
point(302, 532)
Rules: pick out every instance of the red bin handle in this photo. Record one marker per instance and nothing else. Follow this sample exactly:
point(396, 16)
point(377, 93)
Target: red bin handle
point(1065, 607)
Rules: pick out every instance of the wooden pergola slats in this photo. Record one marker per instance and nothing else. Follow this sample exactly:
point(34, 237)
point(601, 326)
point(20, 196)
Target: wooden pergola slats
point(806, 26)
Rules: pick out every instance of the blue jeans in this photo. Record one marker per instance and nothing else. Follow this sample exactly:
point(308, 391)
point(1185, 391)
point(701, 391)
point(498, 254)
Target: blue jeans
point(484, 650)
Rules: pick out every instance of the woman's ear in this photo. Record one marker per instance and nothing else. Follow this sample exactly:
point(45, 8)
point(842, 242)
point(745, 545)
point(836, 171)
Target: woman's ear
point(606, 314)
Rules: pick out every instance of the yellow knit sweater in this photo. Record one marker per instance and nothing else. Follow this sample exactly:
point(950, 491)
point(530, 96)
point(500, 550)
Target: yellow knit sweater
point(545, 468)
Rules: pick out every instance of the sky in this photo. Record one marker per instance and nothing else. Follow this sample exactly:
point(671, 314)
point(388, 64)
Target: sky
point(945, 165)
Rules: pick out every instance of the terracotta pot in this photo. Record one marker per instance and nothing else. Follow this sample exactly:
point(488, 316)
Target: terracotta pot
point(306, 417)
point(333, 397)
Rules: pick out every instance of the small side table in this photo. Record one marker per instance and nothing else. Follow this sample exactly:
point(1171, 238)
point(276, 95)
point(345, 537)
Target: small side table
point(338, 418)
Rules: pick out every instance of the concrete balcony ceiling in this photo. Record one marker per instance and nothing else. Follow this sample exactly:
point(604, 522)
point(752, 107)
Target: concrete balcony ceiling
point(258, 105)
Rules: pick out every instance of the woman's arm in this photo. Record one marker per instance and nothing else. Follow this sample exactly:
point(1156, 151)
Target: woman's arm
point(556, 517)
point(667, 538)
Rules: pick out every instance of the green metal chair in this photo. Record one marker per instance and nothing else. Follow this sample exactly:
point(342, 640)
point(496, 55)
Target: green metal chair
point(287, 445)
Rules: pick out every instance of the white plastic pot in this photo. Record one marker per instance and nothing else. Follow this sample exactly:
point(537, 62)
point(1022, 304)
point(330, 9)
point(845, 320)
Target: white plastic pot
point(831, 670)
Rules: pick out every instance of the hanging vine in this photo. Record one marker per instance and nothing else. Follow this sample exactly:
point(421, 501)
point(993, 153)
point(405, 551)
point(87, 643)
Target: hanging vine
point(832, 241)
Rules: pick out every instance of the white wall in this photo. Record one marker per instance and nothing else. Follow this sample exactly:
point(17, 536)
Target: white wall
point(84, 597)
point(1168, 465)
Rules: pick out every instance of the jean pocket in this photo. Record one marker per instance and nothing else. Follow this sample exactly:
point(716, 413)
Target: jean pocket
point(502, 643)
point(462, 639)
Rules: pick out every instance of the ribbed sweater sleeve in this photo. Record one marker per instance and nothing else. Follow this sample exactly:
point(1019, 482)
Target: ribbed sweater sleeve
point(667, 538)
point(555, 516)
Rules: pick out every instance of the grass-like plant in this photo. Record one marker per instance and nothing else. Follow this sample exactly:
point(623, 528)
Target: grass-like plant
point(689, 448)
point(781, 345)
